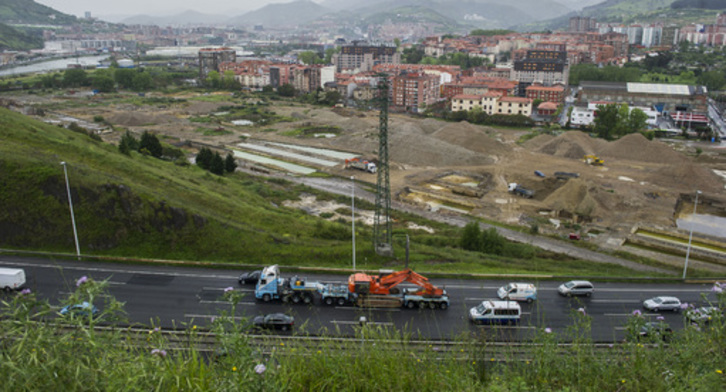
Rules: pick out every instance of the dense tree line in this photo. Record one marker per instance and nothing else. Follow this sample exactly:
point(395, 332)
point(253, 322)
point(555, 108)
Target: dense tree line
point(213, 162)
point(491, 242)
point(614, 121)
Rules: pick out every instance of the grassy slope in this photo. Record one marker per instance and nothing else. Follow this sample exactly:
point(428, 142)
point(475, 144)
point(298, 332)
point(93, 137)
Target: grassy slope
point(145, 207)
point(12, 39)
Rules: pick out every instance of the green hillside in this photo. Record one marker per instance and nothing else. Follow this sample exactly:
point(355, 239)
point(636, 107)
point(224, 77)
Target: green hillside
point(30, 12)
point(12, 39)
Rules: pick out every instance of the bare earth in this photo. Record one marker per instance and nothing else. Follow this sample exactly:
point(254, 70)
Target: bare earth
point(460, 166)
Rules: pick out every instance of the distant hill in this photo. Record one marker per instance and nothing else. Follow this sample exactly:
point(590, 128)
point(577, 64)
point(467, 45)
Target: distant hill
point(14, 39)
point(185, 18)
point(704, 4)
point(289, 14)
point(30, 12)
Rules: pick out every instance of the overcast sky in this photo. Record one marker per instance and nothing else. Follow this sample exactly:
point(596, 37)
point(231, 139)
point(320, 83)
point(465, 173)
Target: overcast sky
point(154, 7)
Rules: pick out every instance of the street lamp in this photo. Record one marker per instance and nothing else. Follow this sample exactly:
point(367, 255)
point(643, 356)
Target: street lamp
point(352, 205)
point(690, 236)
point(73, 219)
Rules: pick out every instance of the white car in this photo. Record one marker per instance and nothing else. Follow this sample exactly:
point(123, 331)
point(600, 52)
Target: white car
point(518, 292)
point(703, 314)
point(576, 287)
point(662, 303)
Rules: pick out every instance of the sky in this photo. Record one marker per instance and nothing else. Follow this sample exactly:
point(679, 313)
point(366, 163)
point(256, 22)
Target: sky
point(155, 7)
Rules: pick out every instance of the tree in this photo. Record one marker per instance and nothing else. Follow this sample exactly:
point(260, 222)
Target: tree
point(412, 55)
point(75, 77)
point(124, 77)
point(309, 57)
point(492, 242)
point(713, 80)
point(217, 164)
point(150, 143)
point(606, 120)
point(637, 120)
point(286, 90)
point(228, 81)
point(204, 158)
point(329, 54)
point(104, 83)
point(128, 143)
point(142, 81)
point(471, 237)
point(229, 163)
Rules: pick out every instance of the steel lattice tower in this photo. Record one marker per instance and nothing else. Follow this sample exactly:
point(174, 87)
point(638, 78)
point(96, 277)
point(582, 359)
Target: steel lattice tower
point(382, 232)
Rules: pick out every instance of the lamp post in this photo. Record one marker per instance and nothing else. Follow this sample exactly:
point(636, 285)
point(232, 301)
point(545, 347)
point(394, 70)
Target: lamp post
point(70, 204)
point(352, 220)
point(690, 236)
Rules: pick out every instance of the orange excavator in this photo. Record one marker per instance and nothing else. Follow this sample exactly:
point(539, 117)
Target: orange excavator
point(381, 290)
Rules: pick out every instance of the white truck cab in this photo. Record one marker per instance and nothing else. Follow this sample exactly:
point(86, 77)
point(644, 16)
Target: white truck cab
point(12, 279)
point(518, 292)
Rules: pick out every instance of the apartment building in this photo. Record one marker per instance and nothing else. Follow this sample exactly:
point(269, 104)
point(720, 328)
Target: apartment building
point(211, 58)
point(413, 91)
point(554, 94)
point(361, 56)
point(544, 67)
point(492, 103)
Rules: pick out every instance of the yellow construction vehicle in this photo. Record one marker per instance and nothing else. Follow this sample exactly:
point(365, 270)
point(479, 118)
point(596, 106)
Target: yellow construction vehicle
point(593, 160)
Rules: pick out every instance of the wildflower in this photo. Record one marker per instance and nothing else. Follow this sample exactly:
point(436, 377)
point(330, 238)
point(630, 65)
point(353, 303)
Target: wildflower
point(234, 368)
point(194, 327)
point(320, 352)
point(719, 371)
point(637, 313)
point(660, 318)
point(157, 329)
point(83, 279)
point(492, 359)
point(622, 381)
point(548, 330)
point(157, 352)
point(259, 369)
point(282, 344)
point(684, 306)
point(212, 319)
point(610, 345)
point(25, 291)
point(717, 288)
point(228, 289)
point(582, 310)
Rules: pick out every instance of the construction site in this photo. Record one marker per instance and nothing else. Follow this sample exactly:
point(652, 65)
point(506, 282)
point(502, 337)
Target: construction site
point(629, 193)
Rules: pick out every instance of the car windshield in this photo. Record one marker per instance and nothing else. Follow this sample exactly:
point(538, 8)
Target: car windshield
point(658, 300)
point(481, 308)
point(569, 284)
point(507, 287)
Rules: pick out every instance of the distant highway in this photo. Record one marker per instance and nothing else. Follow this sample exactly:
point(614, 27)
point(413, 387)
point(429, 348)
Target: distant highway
point(176, 296)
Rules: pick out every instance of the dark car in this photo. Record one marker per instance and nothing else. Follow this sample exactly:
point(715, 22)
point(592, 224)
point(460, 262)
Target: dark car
point(656, 330)
point(249, 277)
point(279, 321)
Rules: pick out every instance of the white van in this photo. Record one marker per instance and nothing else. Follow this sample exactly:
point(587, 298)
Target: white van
point(495, 312)
point(11, 279)
point(518, 292)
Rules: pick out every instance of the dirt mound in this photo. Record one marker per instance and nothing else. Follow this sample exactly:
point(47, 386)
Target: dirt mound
point(132, 119)
point(573, 197)
point(431, 125)
point(572, 144)
point(636, 147)
point(198, 107)
point(538, 141)
point(468, 136)
point(687, 177)
point(357, 125)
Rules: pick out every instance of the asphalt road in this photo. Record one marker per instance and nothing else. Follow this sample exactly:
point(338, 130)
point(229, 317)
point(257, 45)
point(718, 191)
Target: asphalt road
point(176, 296)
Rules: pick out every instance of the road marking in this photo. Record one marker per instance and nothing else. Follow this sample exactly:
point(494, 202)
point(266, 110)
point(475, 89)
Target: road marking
point(225, 288)
point(363, 308)
point(226, 302)
point(629, 301)
point(506, 326)
point(129, 271)
point(358, 322)
point(210, 316)
point(630, 314)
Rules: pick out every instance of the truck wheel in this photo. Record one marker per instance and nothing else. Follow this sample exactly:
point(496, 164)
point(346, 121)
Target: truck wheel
point(529, 300)
point(422, 305)
point(443, 306)
point(411, 304)
point(283, 328)
point(307, 299)
point(295, 299)
point(329, 301)
point(266, 298)
point(341, 301)
point(6, 289)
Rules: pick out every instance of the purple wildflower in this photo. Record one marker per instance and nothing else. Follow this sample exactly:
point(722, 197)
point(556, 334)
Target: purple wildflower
point(660, 318)
point(582, 310)
point(156, 329)
point(25, 291)
point(259, 369)
point(717, 288)
point(161, 353)
point(684, 306)
point(637, 313)
point(228, 289)
point(548, 330)
point(83, 279)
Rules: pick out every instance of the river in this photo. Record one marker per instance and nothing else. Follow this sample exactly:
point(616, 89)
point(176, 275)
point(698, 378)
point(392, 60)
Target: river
point(53, 65)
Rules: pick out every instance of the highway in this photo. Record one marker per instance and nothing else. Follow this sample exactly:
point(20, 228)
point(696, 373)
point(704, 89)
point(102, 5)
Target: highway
point(174, 297)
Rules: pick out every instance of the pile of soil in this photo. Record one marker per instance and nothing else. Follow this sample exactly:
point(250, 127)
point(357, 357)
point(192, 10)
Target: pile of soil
point(472, 138)
point(138, 119)
point(574, 197)
point(572, 144)
point(636, 147)
point(202, 108)
point(431, 125)
point(687, 177)
point(538, 141)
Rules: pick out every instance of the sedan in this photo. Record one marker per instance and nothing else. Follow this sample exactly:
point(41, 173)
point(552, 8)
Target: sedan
point(576, 287)
point(279, 321)
point(662, 303)
point(249, 277)
point(83, 309)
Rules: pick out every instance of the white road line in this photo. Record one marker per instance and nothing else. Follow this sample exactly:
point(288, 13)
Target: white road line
point(629, 301)
point(225, 288)
point(226, 302)
point(145, 272)
point(364, 309)
point(506, 326)
point(358, 322)
point(630, 314)
point(209, 316)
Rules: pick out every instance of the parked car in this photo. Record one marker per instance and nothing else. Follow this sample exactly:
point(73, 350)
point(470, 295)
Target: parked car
point(83, 309)
point(576, 287)
point(279, 321)
point(249, 277)
point(703, 314)
point(656, 330)
point(662, 303)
